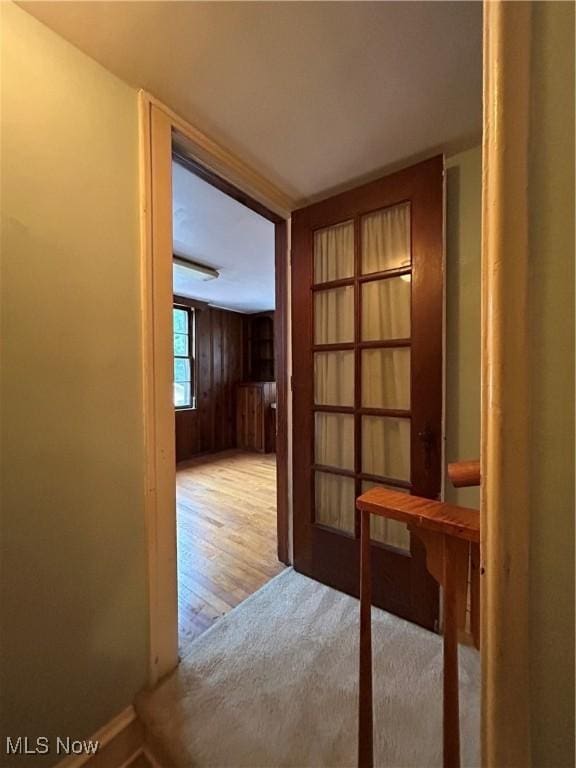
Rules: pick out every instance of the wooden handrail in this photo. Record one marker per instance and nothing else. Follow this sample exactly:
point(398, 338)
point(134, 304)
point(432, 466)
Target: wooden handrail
point(437, 516)
point(451, 536)
point(464, 474)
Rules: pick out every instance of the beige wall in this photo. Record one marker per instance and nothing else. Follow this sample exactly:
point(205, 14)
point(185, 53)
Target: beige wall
point(551, 303)
point(463, 247)
point(74, 612)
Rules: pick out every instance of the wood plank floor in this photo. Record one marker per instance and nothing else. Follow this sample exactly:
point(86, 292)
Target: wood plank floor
point(226, 518)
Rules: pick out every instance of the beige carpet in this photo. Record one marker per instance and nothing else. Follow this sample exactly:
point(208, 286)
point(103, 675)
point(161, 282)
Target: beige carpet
point(274, 683)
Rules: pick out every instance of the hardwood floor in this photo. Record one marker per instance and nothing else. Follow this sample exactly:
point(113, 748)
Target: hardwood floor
point(226, 518)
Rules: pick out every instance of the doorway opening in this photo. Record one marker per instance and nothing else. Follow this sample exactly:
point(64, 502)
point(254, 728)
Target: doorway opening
point(229, 371)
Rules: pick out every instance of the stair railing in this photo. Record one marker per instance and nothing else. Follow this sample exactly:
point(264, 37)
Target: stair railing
point(451, 536)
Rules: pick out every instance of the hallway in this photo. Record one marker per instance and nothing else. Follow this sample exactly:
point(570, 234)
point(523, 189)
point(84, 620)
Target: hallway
point(226, 518)
point(275, 684)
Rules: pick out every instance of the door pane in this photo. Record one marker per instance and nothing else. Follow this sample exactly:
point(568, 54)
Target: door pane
point(334, 316)
point(387, 531)
point(335, 502)
point(386, 378)
point(386, 309)
point(334, 252)
point(334, 440)
point(386, 239)
point(334, 378)
point(386, 447)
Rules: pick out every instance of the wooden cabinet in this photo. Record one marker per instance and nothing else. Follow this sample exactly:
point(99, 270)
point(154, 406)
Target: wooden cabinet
point(255, 416)
point(260, 338)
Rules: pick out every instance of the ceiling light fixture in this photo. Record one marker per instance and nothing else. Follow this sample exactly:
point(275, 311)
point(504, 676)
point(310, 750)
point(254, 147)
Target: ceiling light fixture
point(197, 271)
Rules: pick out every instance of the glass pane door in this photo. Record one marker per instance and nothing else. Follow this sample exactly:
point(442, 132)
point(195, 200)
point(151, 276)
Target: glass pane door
point(362, 366)
point(367, 308)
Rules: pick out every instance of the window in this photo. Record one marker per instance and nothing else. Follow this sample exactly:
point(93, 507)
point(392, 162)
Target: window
point(184, 358)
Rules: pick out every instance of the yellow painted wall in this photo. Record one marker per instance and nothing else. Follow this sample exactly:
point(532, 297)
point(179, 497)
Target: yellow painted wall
point(463, 251)
point(73, 559)
point(551, 302)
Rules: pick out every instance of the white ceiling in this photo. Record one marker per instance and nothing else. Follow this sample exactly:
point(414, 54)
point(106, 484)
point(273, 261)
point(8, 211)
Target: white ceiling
point(311, 94)
point(213, 229)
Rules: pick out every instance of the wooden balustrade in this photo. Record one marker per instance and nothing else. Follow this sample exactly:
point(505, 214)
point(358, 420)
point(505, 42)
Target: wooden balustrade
point(451, 536)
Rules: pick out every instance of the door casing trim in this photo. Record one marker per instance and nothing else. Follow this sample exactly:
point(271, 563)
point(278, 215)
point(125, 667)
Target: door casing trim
point(157, 127)
point(505, 525)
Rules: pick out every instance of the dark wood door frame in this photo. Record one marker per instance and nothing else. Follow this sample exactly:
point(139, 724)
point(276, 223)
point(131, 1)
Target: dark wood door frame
point(280, 334)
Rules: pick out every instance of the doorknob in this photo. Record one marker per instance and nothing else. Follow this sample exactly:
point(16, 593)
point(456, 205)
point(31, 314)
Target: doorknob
point(426, 437)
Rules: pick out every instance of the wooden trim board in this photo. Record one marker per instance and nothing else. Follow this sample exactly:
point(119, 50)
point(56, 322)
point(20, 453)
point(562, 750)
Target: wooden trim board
point(156, 177)
point(222, 184)
point(159, 127)
point(121, 740)
point(149, 414)
point(282, 396)
point(505, 435)
point(218, 159)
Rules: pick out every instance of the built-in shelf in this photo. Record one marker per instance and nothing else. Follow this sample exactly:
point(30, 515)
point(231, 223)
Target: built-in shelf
point(261, 347)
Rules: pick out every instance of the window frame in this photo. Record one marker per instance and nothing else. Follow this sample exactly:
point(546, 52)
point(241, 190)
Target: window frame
point(191, 356)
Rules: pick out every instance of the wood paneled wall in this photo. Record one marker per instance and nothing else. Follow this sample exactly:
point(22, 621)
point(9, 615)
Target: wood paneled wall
point(211, 426)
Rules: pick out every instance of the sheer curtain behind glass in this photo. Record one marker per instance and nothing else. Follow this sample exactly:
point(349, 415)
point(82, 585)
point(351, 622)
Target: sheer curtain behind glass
point(386, 239)
point(386, 310)
point(334, 315)
point(386, 378)
point(334, 500)
point(334, 376)
point(387, 531)
point(334, 252)
point(385, 372)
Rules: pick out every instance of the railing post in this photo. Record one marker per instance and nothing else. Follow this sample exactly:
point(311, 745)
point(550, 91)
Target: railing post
point(365, 715)
point(451, 730)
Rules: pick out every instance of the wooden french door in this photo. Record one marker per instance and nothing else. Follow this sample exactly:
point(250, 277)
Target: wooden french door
point(367, 309)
